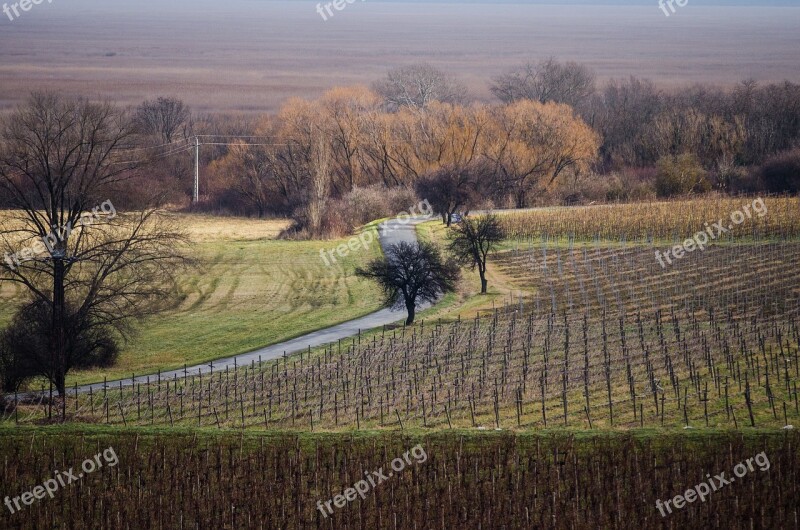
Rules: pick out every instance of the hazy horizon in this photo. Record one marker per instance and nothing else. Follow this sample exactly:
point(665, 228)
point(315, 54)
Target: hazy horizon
point(250, 55)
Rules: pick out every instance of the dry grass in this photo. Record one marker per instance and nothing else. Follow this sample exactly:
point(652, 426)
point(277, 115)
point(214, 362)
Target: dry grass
point(208, 228)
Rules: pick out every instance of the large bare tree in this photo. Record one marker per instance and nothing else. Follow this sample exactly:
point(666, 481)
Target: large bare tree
point(548, 80)
point(417, 85)
point(164, 118)
point(452, 189)
point(412, 273)
point(64, 243)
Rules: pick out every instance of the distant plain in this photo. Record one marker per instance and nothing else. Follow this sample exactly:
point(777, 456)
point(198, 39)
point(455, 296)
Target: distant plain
point(249, 56)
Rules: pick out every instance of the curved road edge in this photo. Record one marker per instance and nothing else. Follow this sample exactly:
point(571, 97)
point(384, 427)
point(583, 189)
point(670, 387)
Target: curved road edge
point(395, 232)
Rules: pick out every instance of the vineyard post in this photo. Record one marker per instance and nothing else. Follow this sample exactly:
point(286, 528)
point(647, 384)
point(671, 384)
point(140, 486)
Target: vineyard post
point(544, 409)
point(472, 408)
point(727, 405)
point(122, 413)
point(424, 416)
point(747, 400)
point(685, 406)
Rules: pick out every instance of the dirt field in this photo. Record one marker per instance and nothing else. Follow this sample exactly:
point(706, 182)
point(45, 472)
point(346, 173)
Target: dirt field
point(250, 56)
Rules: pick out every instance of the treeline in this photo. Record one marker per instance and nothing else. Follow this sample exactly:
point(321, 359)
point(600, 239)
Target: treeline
point(555, 136)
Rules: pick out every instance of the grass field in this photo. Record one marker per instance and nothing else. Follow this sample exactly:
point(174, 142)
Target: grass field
point(247, 291)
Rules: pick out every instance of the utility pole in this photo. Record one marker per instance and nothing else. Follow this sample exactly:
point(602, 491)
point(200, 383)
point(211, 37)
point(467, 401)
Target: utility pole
point(196, 194)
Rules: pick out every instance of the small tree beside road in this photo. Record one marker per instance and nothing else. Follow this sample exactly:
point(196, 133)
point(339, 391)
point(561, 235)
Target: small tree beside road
point(472, 240)
point(410, 274)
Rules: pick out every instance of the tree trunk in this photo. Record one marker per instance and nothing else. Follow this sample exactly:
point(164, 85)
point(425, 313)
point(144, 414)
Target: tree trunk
point(59, 355)
point(484, 284)
point(411, 308)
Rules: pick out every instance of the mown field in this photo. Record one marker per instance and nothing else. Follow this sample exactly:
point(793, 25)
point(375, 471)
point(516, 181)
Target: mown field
point(499, 480)
point(246, 290)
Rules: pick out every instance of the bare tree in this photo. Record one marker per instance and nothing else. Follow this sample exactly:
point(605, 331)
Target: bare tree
point(79, 257)
point(549, 80)
point(319, 185)
point(623, 113)
point(451, 189)
point(163, 118)
point(252, 170)
point(411, 274)
point(417, 85)
point(536, 143)
point(472, 240)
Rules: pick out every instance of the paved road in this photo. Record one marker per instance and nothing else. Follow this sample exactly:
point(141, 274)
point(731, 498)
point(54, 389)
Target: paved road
point(395, 231)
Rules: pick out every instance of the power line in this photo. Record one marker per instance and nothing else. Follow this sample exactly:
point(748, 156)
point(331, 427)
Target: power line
point(237, 143)
point(230, 136)
point(185, 140)
point(159, 157)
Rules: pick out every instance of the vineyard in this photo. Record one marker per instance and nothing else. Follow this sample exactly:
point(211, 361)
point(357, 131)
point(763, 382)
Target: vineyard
point(605, 337)
point(492, 480)
point(606, 383)
point(673, 220)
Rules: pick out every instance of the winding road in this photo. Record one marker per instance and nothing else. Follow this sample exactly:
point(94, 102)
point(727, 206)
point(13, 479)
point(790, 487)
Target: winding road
point(395, 232)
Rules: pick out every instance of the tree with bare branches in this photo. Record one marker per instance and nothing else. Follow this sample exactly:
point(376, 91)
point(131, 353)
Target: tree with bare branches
point(84, 264)
point(164, 118)
point(417, 85)
point(411, 274)
point(451, 189)
point(472, 240)
point(548, 80)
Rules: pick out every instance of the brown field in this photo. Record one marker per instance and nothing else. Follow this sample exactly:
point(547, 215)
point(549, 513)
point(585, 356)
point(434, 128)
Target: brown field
point(250, 56)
